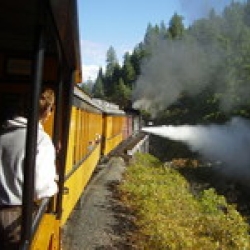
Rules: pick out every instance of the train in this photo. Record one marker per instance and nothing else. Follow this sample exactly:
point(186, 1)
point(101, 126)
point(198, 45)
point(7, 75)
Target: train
point(40, 46)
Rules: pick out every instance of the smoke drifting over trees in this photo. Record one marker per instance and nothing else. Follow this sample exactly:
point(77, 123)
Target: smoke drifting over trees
point(208, 63)
point(212, 53)
point(174, 67)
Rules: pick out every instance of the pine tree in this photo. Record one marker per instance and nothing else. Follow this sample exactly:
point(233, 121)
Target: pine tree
point(128, 71)
point(98, 88)
point(111, 60)
point(122, 94)
point(176, 27)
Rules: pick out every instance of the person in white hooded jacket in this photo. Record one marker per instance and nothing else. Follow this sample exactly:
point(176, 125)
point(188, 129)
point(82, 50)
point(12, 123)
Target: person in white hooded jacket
point(12, 153)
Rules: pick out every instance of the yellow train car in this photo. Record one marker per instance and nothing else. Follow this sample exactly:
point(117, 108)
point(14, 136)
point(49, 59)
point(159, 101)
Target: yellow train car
point(84, 149)
point(114, 123)
point(39, 46)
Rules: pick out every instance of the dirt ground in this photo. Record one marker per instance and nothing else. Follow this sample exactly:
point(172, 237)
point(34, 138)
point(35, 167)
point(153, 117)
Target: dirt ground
point(100, 221)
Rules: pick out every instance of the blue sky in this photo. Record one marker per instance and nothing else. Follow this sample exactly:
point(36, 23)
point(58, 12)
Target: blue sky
point(122, 24)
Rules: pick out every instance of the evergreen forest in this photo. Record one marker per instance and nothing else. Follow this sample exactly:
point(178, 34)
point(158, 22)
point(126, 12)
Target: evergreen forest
point(178, 74)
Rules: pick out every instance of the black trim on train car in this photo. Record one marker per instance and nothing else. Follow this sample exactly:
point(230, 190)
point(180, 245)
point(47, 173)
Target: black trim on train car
point(31, 138)
point(67, 115)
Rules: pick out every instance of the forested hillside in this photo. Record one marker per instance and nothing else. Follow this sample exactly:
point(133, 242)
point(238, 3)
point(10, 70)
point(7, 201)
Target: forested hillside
point(178, 74)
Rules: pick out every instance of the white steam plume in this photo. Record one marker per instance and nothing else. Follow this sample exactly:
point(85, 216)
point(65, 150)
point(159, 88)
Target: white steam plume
point(177, 66)
point(174, 67)
point(228, 143)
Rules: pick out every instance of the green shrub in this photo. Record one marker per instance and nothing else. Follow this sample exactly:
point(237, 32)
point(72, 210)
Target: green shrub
point(170, 217)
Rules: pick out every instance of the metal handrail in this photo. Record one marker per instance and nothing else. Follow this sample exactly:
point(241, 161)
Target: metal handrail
point(38, 217)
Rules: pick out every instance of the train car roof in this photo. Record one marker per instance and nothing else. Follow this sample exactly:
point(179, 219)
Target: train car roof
point(18, 22)
point(108, 107)
point(103, 106)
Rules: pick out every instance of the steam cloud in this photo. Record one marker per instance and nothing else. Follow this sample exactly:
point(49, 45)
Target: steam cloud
point(174, 67)
point(228, 143)
point(182, 66)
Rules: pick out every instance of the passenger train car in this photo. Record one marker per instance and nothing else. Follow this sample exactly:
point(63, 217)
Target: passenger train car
point(39, 46)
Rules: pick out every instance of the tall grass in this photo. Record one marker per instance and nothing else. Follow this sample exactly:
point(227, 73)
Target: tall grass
point(168, 216)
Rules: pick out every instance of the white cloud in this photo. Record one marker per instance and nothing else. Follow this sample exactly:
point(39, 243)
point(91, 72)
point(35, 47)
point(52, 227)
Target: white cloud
point(89, 72)
point(93, 53)
point(93, 57)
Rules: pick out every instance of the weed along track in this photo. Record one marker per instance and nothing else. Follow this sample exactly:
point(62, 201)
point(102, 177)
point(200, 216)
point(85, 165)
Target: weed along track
point(184, 205)
point(202, 176)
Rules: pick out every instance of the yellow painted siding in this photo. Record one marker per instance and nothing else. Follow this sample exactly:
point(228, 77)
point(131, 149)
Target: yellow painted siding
point(70, 150)
point(81, 160)
point(113, 133)
point(48, 234)
point(111, 143)
point(77, 183)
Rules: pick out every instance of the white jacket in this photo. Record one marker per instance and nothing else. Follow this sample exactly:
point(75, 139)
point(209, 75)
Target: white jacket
point(12, 153)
